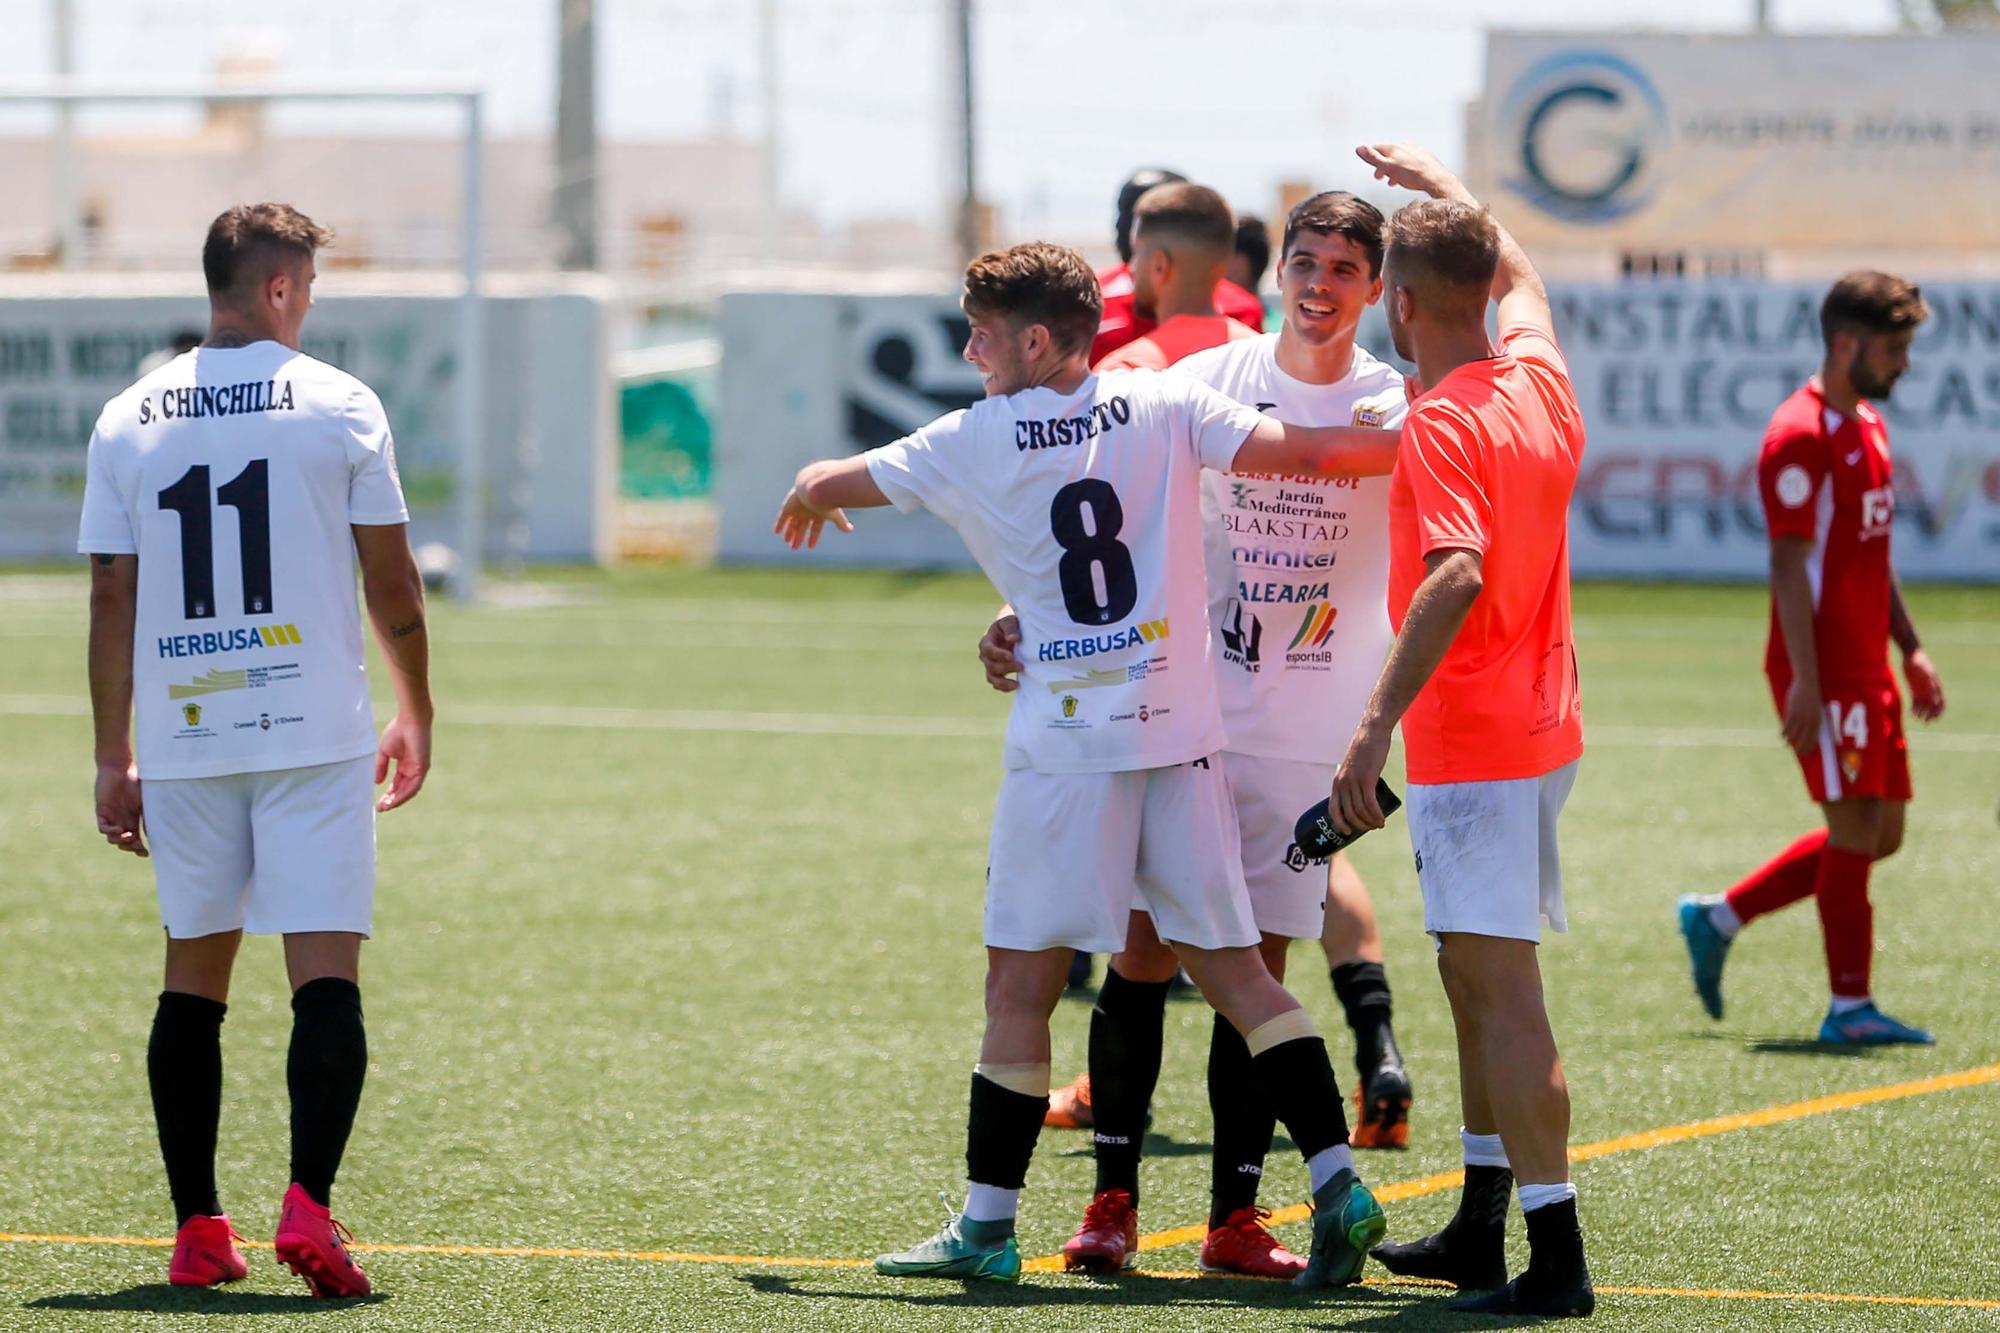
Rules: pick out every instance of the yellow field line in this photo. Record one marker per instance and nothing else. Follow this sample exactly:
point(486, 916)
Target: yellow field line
point(1640, 1142)
point(1390, 1193)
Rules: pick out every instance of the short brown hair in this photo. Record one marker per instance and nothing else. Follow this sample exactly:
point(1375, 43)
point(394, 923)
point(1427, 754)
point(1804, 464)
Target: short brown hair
point(1037, 283)
point(250, 235)
point(1865, 301)
point(1337, 213)
point(1191, 214)
point(1444, 244)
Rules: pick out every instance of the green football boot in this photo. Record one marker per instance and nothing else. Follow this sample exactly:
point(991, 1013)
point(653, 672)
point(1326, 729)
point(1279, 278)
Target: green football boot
point(951, 1254)
point(1346, 1222)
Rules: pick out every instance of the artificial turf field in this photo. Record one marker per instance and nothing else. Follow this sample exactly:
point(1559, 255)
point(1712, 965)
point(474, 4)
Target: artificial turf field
point(677, 962)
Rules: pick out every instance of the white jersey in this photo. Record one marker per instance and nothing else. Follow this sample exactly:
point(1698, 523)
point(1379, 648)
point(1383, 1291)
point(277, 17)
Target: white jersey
point(234, 474)
point(1298, 568)
point(1085, 511)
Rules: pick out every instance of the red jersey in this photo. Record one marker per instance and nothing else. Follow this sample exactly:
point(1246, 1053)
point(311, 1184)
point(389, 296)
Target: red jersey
point(1826, 477)
point(1122, 322)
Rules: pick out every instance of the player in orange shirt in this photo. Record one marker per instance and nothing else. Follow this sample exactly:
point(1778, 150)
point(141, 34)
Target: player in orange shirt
point(1482, 678)
point(1182, 240)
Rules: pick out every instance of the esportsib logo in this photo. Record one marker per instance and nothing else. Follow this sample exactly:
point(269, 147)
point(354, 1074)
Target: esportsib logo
point(1589, 126)
point(1316, 628)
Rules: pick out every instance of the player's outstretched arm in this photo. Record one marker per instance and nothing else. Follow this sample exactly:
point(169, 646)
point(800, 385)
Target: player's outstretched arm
point(821, 494)
point(1517, 288)
point(1317, 451)
point(1453, 579)
point(114, 613)
point(1926, 689)
point(394, 591)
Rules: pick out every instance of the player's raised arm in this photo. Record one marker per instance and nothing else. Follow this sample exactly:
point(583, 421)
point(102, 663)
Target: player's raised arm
point(821, 494)
point(394, 591)
point(1517, 288)
point(1317, 451)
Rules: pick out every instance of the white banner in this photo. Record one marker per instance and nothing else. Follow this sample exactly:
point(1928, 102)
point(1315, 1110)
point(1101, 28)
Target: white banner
point(551, 455)
point(1677, 381)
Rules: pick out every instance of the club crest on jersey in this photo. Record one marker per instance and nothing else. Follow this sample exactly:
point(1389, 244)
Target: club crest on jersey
point(1069, 705)
point(192, 712)
point(1850, 763)
point(1368, 416)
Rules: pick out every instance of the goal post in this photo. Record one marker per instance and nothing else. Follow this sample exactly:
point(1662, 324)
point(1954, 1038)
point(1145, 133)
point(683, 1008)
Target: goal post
point(469, 331)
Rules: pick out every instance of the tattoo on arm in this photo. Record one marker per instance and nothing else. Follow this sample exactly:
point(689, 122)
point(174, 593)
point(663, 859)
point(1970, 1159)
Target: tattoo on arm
point(404, 631)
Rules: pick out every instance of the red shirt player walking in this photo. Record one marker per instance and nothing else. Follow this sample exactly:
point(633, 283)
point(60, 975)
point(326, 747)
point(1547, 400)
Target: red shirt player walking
point(1126, 315)
point(1829, 498)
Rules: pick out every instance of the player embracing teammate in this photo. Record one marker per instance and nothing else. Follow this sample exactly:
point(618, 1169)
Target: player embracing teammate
point(1829, 499)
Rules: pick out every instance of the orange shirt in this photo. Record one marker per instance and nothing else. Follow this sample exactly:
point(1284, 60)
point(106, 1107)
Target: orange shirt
point(1183, 335)
point(1487, 461)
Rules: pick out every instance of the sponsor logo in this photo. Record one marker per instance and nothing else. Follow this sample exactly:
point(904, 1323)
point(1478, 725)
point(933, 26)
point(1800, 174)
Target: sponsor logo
point(242, 678)
point(1144, 714)
point(1240, 491)
point(1132, 636)
point(1317, 627)
point(1069, 705)
point(1296, 861)
point(1878, 506)
point(263, 721)
point(1242, 637)
point(1368, 416)
point(1271, 557)
point(228, 641)
point(1588, 128)
point(1096, 680)
point(192, 712)
point(1283, 593)
point(1794, 486)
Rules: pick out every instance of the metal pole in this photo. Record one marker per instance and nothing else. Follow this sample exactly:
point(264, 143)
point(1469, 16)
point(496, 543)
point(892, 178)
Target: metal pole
point(68, 219)
point(767, 72)
point(470, 356)
point(576, 134)
point(967, 230)
point(1763, 15)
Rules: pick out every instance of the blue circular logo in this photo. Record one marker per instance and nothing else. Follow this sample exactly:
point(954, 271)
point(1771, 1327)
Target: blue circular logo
point(1589, 126)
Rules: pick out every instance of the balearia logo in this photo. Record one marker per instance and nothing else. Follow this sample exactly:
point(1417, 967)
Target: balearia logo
point(1589, 126)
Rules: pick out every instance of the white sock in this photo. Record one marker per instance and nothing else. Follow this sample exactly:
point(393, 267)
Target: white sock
point(1541, 1196)
point(990, 1203)
point(1723, 917)
point(1847, 1004)
point(1328, 1163)
point(1482, 1149)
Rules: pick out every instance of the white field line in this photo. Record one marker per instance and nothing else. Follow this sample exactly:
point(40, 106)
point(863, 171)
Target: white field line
point(946, 728)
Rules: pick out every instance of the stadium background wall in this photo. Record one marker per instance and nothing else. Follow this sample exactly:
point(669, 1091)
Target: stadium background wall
point(551, 449)
point(1677, 380)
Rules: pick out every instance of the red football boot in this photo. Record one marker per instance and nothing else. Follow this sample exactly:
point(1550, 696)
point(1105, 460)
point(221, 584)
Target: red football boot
point(311, 1244)
point(1108, 1240)
point(1243, 1244)
point(205, 1253)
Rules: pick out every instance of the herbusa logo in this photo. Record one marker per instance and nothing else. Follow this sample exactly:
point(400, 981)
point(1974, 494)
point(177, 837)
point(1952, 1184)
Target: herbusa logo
point(1587, 127)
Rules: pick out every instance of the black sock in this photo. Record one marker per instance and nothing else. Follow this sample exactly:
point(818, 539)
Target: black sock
point(1126, 1028)
point(1244, 1124)
point(1555, 1242)
point(328, 1060)
point(1363, 990)
point(1000, 1133)
point(184, 1069)
point(1295, 1079)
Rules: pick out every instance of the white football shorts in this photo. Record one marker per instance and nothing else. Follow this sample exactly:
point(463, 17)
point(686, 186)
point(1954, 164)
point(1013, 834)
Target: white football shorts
point(272, 853)
point(1486, 854)
point(1071, 852)
point(1287, 892)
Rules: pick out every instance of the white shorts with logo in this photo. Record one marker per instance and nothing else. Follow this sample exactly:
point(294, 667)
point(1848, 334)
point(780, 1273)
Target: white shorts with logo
point(272, 853)
point(1486, 854)
point(1287, 892)
point(1072, 852)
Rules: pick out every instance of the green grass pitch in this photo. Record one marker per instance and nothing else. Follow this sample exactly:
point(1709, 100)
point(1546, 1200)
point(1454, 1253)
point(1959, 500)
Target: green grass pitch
point(656, 970)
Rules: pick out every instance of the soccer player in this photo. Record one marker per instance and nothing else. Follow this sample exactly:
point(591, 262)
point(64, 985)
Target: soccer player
point(1125, 317)
point(1080, 496)
point(1829, 497)
point(1253, 253)
point(229, 496)
point(1482, 678)
point(1298, 574)
point(1182, 239)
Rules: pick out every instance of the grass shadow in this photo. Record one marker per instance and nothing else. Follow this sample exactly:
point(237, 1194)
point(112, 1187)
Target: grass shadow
point(164, 1298)
point(1808, 1046)
point(1120, 1291)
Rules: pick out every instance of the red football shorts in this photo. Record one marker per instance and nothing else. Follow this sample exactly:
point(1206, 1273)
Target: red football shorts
point(1862, 751)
